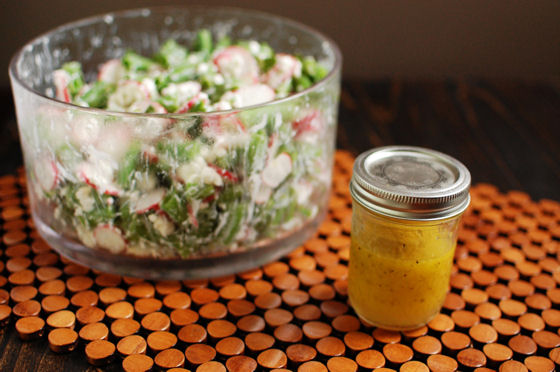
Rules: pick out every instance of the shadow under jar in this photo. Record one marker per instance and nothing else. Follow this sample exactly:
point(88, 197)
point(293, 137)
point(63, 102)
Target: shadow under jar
point(407, 204)
point(218, 229)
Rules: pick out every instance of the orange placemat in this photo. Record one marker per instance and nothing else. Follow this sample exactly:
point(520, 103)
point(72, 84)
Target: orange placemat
point(502, 311)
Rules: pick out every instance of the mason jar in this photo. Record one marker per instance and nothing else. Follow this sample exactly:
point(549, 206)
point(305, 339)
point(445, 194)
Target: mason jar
point(407, 205)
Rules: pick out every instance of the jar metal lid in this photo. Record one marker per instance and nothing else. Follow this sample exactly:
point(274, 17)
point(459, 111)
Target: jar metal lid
point(410, 183)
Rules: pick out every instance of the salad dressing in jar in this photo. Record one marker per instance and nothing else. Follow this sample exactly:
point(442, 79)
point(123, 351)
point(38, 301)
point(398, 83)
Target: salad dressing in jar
point(407, 204)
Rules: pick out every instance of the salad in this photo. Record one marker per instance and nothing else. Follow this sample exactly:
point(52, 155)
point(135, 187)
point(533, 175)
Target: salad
point(167, 182)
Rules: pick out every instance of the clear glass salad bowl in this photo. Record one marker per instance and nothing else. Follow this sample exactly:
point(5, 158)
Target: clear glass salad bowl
point(211, 193)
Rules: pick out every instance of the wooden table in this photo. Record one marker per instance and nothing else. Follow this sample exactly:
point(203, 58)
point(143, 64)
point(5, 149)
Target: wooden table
point(507, 134)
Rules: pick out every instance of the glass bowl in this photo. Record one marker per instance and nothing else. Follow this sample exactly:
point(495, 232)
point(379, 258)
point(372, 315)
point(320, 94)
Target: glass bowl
point(190, 216)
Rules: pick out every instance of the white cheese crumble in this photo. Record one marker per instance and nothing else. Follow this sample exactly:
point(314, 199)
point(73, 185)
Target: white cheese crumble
point(182, 91)
point(85, 199)
point(197, 171)
point(162, 224)
point(126, 94)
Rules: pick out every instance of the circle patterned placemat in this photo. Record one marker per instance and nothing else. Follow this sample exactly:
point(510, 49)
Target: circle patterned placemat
point(502, 311)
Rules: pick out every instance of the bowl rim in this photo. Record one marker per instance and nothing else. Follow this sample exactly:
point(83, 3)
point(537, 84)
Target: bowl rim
point(145, 12)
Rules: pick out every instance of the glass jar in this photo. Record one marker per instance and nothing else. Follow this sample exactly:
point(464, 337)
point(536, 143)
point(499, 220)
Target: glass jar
point(407, 204)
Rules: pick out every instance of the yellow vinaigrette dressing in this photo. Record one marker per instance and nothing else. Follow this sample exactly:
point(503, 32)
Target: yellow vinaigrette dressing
point(402, 246)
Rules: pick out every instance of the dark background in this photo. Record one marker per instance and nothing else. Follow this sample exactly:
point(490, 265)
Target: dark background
point(379, 38)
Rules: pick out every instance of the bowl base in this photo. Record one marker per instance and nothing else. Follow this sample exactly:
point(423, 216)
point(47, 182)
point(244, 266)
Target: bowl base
point(177, 268)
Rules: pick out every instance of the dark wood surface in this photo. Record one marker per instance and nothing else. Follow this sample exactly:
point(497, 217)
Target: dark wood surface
point(507, 133)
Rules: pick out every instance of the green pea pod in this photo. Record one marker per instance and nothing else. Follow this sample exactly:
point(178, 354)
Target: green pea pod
point(203, 42)
point(135, 62)
point(98, 95)
point(233, 225)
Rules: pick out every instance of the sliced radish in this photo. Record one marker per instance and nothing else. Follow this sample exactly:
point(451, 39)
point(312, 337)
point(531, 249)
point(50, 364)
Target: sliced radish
point(237, 63)
point(230, 123)
point(250, 95)
point(61, 79)
point(284, 69)
point(277, 170)
point(144, 105)
point(111, 71)
point(311, 122)
point(200, 97)
point(99, 175)
point(273, 145)
point(192, 216)
point(151, 87)
point(110, 238)
point(149, 201)
point(217, 126)
point(149, 153)
point(47, 173)
point(224, 173)
point(114, 140)
point(209, 198)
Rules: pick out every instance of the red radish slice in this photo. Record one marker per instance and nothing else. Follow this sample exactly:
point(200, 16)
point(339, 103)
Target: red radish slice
point(134, 85)
point(192, 217)
point(114, 140)
point(231, 123)
point(277, 170)
point(99, 176)
point(237, 63)
point(228, 123)
point(200, 97)
point(149, 201)
point(110, 238)
point(61, 79)
point(273, 145)
point(149, 153)
point(224, 173)
point(111, 71)
point(285, 68)
point(312, 122)
point(47, 173)
point(145, 105)
point(250, 95)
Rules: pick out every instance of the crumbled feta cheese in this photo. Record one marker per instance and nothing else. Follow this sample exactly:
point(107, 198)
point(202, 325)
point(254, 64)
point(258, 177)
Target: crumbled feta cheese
point(254, 47)
point(202, 68)
point(219, 79)
point(145, 181)
point(85, 199)
point(222, 106)
point(162, 224)
point(197, 171)
point(151, 87)
point(126, 94)
point(85, 129)
point(182, 91)
point(112, 71)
